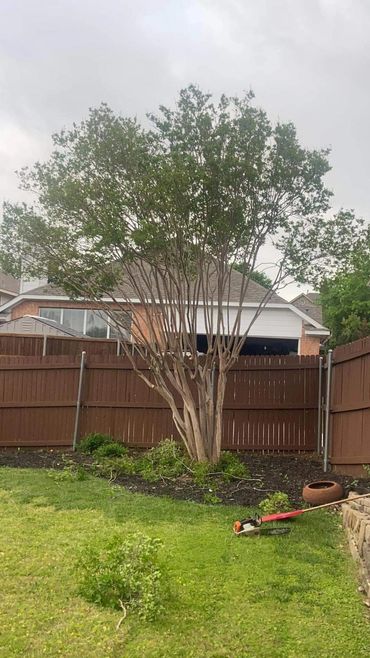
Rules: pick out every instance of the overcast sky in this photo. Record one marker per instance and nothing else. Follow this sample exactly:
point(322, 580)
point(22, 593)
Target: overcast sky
point(307, 61)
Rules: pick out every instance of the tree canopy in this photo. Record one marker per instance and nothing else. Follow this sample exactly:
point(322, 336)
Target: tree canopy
point(256, 275)
point(345, 298)
point(154, 218)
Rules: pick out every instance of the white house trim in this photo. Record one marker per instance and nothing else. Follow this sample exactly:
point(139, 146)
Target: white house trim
point(63, 298)
point(317, 332)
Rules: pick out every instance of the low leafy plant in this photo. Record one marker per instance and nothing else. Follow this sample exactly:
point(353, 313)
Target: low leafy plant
point(200, 472)
point(113, 449)
point(211, 498)
point(113, 467)
point(275, 503)
point(92, 442)
point(231, 466)
point(366, 468)
point(125, 573)
point(166, 460)
point(69, 473)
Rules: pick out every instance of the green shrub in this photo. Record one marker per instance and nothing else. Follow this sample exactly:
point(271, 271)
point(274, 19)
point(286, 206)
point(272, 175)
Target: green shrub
point(70, 472)
point(125, 572)
point(91, 442)
point(201, 471)
point(231, 466)
point(275, 503)
point(166, 460)
point(211, 498)
point(110, 450)
point(113, 467)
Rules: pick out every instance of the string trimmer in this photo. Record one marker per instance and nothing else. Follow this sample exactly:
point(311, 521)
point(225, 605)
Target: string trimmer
point(252, 525)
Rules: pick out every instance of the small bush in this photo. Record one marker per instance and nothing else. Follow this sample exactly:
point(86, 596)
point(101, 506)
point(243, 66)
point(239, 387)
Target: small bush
point(211, 498)
point(91, 442)
point(166, 460)
point(110, 450)
point(123, 572)
point(275, 503)
point(113, 467)
point(201, 471)
point(231, 466)
point(70, 473)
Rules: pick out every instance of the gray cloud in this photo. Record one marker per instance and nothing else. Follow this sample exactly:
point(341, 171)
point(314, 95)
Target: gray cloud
point(307, 61)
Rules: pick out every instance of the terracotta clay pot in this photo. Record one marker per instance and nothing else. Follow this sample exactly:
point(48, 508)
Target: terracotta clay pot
point(322, 491)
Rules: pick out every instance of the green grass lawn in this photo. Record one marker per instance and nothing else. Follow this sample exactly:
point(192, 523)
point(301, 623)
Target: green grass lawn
point(293, 596)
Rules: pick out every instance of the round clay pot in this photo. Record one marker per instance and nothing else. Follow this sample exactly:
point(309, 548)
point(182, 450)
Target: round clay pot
point(322, 491)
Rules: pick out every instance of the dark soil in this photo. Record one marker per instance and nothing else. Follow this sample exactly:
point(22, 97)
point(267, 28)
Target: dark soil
point(268, 473)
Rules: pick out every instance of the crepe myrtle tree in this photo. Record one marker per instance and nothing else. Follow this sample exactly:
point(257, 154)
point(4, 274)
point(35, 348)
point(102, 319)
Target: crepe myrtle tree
point(154, 217)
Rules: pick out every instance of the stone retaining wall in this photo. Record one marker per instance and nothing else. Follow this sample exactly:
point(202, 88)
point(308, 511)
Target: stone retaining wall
point(356, 521)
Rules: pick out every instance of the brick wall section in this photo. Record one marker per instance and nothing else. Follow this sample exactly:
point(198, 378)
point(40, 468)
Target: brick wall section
point(356, 521)
point(309, 345)
point(25, 308)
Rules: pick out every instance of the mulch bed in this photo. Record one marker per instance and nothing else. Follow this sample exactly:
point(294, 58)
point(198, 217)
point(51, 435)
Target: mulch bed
point(269, 473)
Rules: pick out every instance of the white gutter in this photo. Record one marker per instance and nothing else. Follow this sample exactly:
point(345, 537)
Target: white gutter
point(317, 332)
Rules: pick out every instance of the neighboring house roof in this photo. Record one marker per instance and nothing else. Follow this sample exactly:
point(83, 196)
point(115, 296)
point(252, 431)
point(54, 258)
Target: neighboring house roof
point(30, 324)
point(310, 304)
point(255, 294)
point(9, 284)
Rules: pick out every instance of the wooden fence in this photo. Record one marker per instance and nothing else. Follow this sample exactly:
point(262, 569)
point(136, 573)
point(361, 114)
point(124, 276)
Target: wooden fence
point(270, 403)
point(29, 345)
point(350, 407)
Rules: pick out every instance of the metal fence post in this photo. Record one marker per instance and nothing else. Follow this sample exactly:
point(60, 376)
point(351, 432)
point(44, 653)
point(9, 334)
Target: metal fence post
point(44, 344)
point(327, 410)
point(319, 442)
point(78, 403)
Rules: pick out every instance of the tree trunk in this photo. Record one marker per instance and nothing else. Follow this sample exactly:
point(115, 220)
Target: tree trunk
point(218, 413)
point(203, 418)
point(200, 422)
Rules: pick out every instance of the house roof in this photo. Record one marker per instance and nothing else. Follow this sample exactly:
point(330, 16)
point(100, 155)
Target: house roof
point(60, 327)
point(9, 284)
point(310, 304)
point(255, 292)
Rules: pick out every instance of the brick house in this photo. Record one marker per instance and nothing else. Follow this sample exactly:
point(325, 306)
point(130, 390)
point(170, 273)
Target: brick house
point(309, 303)
point(281, 328)
point(9, 288)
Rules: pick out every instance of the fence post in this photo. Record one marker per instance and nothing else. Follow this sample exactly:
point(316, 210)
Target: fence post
point(118, 346)
point(327, 410)
point(78, 403)
point(319, 440)
point(44, 345)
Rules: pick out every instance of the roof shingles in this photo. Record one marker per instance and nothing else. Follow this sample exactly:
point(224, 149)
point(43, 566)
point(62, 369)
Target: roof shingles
point(9, 283)
point(255, 292)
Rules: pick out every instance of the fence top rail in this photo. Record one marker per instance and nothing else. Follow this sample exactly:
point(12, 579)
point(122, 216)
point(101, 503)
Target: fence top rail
point(112, 361)
point(20, 361)
point(351, 351)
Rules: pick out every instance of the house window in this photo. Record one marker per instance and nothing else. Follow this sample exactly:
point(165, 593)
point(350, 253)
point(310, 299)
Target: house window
point(120, 324)
point(96, 324)
point(51, 314)
point(93, 323)
point(74, 318)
